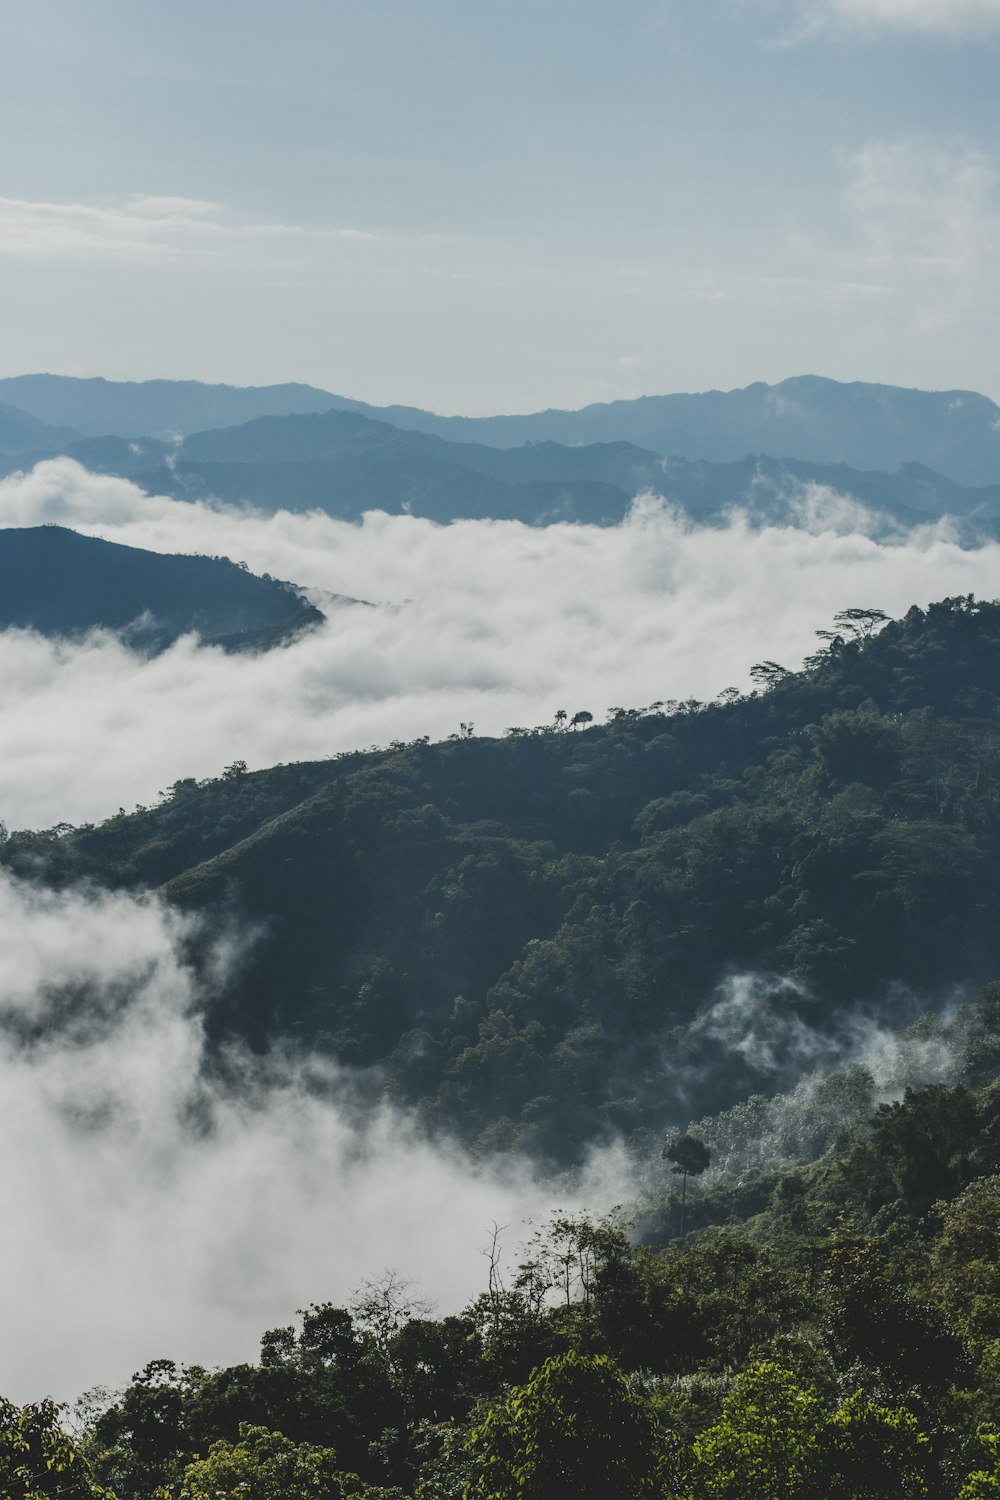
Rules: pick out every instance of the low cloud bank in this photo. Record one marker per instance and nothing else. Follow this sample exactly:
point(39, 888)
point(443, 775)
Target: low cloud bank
point(493, 623)
point(152, 1208)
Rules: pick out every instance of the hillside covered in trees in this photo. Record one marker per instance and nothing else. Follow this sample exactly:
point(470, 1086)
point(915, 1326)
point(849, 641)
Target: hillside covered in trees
point(674, 927)
point(578, 930)
point(840, 1343)
point(62, 584)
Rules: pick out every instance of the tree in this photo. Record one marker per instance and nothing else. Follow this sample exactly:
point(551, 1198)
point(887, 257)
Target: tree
point(583, 717)
point(382, 1305)
point(860, 624)
point(140, 1435)
point(266, 1465)
point(967, 1258)
point(690, 1157)
point(765, 1446)
point(767, 674)
point(774, 1442)
point(38, 1461)
point(576, 1431)
point(984, 1484)
point(869, 1451)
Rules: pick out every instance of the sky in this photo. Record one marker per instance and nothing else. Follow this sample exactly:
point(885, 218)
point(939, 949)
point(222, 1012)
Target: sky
point(478, 208)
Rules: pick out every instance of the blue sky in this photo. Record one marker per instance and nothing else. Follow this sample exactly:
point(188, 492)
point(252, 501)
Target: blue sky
point(480, 208)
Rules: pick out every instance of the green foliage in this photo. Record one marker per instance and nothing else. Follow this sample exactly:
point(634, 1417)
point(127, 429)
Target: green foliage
point(967, 1258)
point(264, 1465)
point(38, 1461)
point(689, 1156)
point(765, 1446)
point(868, 1451)
point(774, 1442)
point(984, 1484)
point(844, 1366)
point(576, 1431)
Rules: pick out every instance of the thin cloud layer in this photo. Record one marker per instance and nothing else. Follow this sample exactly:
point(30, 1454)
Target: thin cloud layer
point(150, 1211)
point(142, 227)
point(493, 623)
point(924, 204)
point(951, 17)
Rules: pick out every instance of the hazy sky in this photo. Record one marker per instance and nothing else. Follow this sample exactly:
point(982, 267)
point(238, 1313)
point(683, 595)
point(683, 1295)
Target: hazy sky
point(476, 208)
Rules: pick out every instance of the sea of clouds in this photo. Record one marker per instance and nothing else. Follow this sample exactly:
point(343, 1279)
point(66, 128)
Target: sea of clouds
point(492, 623)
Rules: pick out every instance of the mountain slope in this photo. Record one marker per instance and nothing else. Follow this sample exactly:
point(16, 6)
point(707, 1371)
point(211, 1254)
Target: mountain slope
point(60, 583)
point(542, 937)
point(20, 431)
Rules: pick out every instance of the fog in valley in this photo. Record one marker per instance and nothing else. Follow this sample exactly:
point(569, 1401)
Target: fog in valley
point(491, 623)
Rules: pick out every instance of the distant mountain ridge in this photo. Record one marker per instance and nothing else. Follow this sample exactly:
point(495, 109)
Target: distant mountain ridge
point(96, 407)
point(344, 463)
point(807, 417)
point(60, 583)
point(20, 430)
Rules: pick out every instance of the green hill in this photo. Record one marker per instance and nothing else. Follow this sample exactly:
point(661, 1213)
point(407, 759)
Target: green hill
point(528, 934)
point(60, 583)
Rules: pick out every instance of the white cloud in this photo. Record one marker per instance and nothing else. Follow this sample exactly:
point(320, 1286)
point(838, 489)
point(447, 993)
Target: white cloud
point(142, 227)
point(926, 205)
point(951, 17)
point(131, 1232)
point(493, 622)
point(159, 206)
point(910, 267)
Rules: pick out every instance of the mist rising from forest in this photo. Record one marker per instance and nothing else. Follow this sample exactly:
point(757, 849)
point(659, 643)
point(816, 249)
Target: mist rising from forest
point(187, 1204)
point(817, 1083)
point(491, 623)
point(157, 1205)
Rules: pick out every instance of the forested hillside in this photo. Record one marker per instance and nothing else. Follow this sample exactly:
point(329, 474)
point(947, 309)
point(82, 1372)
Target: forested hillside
point(841, 1343)
point(581, 930)
point(60, 583)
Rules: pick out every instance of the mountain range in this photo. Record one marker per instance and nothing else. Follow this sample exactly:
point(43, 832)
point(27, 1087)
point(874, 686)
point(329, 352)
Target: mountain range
point(864, 425)
point(346, 461)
